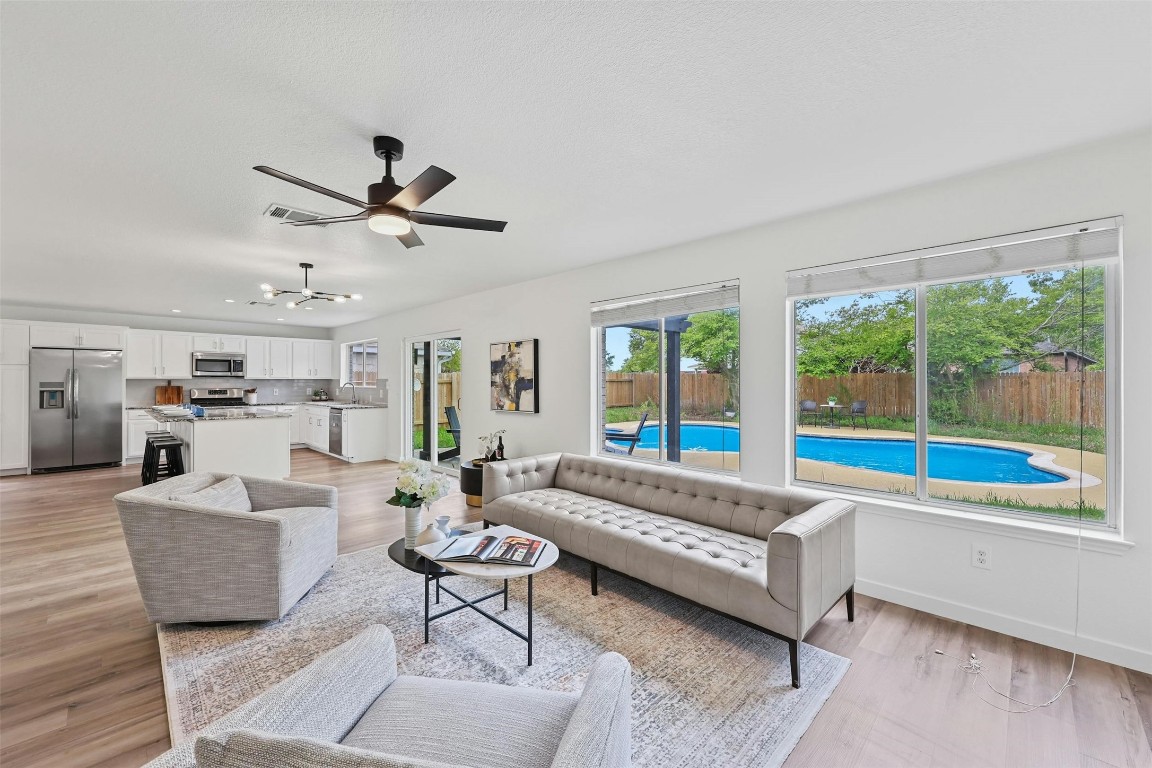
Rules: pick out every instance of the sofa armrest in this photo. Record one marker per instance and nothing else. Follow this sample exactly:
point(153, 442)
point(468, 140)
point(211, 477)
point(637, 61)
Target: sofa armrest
point(812, 560)
point(599, 733)
point(324, 700)
point(515, 475)
point(268, 494)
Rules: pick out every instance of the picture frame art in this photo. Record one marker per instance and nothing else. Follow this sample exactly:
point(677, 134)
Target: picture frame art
point(515, 370)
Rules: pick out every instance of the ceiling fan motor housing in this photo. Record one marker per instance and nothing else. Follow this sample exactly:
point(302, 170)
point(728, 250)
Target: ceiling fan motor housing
point(387, 148)
point(383, 191)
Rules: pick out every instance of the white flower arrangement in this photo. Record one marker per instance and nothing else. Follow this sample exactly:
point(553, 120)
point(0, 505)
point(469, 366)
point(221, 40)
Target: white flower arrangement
point(419, 485)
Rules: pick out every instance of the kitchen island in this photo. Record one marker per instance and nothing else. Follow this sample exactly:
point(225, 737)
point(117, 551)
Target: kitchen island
point(239, 441)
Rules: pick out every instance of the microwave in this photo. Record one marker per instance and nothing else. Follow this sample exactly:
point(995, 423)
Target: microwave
point(217, 364)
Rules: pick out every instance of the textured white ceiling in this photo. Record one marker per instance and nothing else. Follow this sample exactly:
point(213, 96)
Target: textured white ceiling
point(597, 130)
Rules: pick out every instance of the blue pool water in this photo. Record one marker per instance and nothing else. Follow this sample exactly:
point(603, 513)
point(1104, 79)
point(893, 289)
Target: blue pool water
point(946, 461)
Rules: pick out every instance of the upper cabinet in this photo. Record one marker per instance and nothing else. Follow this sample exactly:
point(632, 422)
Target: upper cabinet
point(231, 344)
point(13, 343)
point(269, 358)
point(69, 336)
point(158, 355)
point(312, 359)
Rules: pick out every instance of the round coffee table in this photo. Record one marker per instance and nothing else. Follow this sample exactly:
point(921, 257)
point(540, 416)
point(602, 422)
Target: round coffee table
point(434, 572)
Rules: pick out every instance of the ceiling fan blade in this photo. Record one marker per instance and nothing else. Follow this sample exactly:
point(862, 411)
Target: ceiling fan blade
point(461, 222)
point(421, 188)
point(410, 240)
point(332, 220)
point(308, 185)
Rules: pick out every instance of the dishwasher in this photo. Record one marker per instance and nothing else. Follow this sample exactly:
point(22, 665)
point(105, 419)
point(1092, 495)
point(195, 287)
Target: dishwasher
point(336, 431)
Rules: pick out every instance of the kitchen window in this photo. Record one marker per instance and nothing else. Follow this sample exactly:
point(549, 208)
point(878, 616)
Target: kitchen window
point(978, 376)
point(361, 363)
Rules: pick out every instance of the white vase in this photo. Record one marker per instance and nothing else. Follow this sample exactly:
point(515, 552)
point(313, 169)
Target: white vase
point(430, 535)
point(411, 526)
point(442, 525)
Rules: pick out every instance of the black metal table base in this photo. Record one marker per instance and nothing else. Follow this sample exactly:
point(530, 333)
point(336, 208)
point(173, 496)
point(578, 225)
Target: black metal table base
point(474, 604)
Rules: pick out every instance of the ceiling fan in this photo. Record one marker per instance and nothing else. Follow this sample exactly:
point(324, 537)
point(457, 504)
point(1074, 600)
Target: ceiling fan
point(391, 209)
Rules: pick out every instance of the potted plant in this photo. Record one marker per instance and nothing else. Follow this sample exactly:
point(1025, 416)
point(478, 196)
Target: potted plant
point(416, 488)
point(831, 399)
point(488, 447)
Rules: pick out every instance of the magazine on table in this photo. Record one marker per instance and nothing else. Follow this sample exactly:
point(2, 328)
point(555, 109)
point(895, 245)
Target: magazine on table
point(500, 550)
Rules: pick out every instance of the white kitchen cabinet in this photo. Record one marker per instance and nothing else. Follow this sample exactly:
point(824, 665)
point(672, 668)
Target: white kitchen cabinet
point(279, 359)
point(158, 355)
point(315, 427)
point(256, 364)
point(137, 425)
point(69, 336)
point(13, 416)
point(364, 431)
point(232, 344)
point(297, 420)
point(13, 343)
point(312, 359)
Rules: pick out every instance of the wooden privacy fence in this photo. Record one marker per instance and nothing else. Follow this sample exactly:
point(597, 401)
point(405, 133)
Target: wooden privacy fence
point(1017, 398)
point(699, 392)
point(447, 393)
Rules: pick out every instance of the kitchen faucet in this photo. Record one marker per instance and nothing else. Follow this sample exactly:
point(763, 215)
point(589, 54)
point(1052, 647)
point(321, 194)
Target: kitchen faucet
point(348, 384)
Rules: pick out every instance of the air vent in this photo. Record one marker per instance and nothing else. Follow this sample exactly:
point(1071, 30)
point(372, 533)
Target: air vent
point(261, 303)
point(284, 213)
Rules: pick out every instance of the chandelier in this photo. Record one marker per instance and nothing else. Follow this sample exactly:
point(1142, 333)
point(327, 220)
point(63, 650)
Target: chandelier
point(308, 293)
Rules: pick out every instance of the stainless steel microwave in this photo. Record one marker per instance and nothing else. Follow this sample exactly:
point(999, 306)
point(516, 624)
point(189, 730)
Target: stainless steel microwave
point(217, 364)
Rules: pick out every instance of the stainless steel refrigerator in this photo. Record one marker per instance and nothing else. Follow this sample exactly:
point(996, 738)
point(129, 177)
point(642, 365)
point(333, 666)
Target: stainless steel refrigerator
point(77, 408)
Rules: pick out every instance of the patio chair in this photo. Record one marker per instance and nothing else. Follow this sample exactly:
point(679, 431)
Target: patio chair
point(859, 408)
point(612, 436)
point(809, 407)
point(454, 431)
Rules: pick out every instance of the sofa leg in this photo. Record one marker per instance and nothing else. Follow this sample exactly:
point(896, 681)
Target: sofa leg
point(850, 602)
point(486, 524)
point(794, 657)
point(595, 584)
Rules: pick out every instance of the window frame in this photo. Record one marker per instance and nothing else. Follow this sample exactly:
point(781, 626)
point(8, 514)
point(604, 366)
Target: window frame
point(921, 500)
point(346, 360)
point(599, 387)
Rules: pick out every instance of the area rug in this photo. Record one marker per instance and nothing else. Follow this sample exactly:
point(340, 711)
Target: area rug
point(707, 691)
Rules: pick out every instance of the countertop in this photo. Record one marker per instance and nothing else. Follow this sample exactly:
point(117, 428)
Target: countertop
point(221, 414)
point(321, 403)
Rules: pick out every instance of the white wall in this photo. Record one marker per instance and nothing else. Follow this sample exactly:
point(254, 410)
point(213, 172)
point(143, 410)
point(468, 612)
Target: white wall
point(1030, 590)
point(173, 322)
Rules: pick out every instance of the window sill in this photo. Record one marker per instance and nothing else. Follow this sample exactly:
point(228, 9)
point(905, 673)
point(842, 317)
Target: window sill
point(1092, 538)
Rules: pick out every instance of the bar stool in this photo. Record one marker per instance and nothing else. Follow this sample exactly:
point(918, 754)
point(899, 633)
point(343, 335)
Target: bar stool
point(166, 449)
point(148, 451)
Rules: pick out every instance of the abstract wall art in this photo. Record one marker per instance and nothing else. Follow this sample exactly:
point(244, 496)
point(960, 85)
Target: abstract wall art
point(514, 376)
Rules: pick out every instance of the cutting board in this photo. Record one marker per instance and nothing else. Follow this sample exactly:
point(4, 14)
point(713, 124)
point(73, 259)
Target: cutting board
point(169, 395)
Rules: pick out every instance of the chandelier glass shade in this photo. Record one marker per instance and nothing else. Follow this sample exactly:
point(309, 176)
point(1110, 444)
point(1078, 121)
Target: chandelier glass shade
point(306, 293)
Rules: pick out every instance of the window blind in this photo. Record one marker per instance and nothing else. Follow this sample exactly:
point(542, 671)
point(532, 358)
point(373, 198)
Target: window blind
point(1041, 249)
point(649, 306)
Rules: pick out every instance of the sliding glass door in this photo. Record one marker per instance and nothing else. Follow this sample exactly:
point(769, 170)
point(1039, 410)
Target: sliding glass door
point(434, 401)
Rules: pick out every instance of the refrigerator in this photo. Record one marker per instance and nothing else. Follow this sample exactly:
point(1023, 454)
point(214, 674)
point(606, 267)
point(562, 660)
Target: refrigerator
point(77, 408)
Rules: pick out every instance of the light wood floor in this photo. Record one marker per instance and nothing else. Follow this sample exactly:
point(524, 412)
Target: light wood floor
point(80, 673)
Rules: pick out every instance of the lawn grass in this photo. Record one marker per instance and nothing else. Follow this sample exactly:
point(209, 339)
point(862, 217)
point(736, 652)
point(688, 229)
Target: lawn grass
point(1071, 510)
point(443, 440)
point(1058, 435)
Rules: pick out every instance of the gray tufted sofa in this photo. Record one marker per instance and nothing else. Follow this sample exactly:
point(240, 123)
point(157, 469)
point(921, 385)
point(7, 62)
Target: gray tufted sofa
point(775, 559)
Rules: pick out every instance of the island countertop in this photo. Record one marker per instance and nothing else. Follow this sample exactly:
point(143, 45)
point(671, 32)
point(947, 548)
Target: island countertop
point(220, 414)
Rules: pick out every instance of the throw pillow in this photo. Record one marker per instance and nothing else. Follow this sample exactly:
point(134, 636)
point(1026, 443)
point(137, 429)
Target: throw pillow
point(227, 494)
point(259, 749)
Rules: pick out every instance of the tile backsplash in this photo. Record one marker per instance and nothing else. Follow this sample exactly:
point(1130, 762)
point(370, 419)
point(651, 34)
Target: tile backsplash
point(142, 392)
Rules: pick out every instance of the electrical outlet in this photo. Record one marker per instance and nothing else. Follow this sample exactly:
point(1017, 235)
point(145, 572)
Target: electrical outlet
point(275, 391)
point(981, 557)
point(308, 391)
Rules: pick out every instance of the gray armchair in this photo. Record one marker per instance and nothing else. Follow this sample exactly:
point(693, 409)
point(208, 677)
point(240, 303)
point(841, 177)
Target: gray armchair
point(349, 709)
point(200, 563)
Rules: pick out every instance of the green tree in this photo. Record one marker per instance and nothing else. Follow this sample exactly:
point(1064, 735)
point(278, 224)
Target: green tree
point(1068, 311)
point(643, 351)
point(452, 363)
point(873, 334)
point(713, 338)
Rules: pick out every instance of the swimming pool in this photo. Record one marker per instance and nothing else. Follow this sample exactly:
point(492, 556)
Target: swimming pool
point(946, 461)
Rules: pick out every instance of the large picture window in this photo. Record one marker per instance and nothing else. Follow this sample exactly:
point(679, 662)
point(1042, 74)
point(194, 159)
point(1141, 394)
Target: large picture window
point(669, 379)
point(984, 385)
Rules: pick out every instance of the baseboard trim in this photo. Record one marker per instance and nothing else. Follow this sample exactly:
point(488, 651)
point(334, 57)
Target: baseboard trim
point(1093, 647)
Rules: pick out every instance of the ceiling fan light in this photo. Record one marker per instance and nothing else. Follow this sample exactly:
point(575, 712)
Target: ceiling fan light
point(389, 224)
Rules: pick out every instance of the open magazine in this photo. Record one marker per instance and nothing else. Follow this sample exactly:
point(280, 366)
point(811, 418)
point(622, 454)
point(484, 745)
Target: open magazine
point(503, 550)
